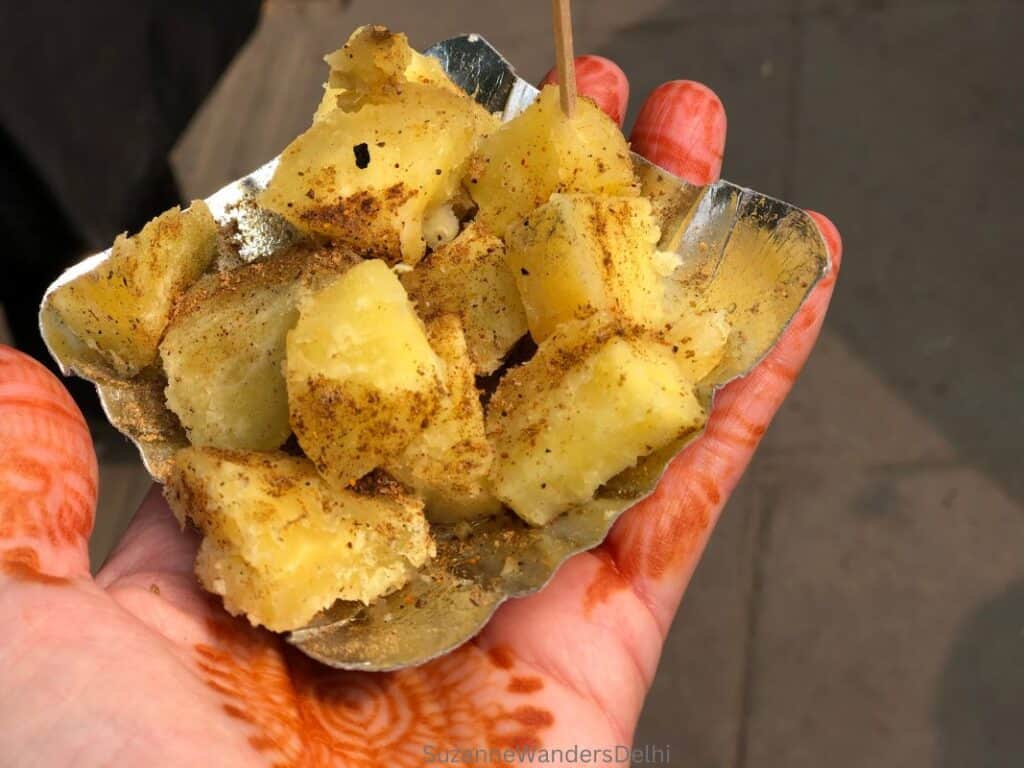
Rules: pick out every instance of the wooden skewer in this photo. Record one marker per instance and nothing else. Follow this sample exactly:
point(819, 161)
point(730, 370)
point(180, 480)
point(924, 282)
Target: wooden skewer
point(561, 14)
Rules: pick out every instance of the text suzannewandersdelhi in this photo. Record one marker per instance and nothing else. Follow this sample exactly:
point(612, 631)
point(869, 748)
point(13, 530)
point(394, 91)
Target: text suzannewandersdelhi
point(573, 755)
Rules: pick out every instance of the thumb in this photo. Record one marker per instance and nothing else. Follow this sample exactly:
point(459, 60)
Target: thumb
point(48, 475)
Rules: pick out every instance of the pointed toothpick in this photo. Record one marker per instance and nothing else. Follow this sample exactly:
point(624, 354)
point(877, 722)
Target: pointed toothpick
point(562, 17)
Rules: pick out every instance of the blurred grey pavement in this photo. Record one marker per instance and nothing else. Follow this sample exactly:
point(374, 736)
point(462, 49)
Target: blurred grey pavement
point(862, 601)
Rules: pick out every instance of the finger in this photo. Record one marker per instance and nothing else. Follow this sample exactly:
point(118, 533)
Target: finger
point(150, 574)
point(48, 475)
point(586, 630)
point(682, 128)
point(657, 544)
point(153, 543)
point(601, 81)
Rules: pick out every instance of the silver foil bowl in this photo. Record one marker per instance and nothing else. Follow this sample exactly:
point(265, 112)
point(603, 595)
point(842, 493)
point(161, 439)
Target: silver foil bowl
point(753, 256)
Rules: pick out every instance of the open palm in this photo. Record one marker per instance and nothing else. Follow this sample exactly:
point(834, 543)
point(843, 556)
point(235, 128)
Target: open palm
point(140, 667)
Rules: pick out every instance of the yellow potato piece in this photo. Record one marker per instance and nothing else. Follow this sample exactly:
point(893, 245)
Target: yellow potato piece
point(580, 254)
point(469, 277)
point(362, 377)
point(368, 176)
point(448, 462)
point(594, 398)
point(540, 152)
point(223, 352)
point(375, 59)
point(121, 308)
point(280, 545)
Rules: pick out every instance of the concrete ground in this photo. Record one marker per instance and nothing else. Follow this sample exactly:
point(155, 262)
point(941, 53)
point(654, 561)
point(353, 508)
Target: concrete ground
point(862, 602)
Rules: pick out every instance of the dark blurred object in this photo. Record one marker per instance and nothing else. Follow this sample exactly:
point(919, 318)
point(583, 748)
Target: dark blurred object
point(38, 241)
point(94, 95)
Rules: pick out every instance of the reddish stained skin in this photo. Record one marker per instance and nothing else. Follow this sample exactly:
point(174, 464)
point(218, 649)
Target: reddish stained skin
point(601, 81)
point(525, 685)
point(47, 469)
point(22, 563)
point(747, 434)
point(302, 715)
point(501, 657)
point(682, 128)
point(606, 582)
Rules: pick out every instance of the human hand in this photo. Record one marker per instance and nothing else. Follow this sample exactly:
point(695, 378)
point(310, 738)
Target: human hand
point(140, 667)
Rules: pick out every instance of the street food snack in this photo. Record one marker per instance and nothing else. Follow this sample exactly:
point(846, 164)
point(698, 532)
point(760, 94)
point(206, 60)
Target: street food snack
point(457, 345)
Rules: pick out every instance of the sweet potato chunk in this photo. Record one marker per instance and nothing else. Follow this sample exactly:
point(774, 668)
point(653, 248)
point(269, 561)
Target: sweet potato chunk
point(223, 352)
point(448, 462)
point(376, 59)
point(469, 277)
point(580, 254)
point(362, 377)
point(122, 309)
point(280, 544)
point(540, 152)
point(595, 398)
point(370, 175)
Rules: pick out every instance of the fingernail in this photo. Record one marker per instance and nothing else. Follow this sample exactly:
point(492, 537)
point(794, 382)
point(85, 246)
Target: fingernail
point(682, 128)
point(602, 81)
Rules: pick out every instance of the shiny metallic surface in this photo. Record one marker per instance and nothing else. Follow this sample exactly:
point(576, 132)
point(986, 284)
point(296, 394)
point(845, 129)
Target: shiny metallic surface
point(748, 254)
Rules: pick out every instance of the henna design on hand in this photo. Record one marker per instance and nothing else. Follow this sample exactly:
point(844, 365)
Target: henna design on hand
point(304, 715)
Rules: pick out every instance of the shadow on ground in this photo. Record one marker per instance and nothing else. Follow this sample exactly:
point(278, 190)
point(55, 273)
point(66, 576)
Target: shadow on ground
point(978, 710)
